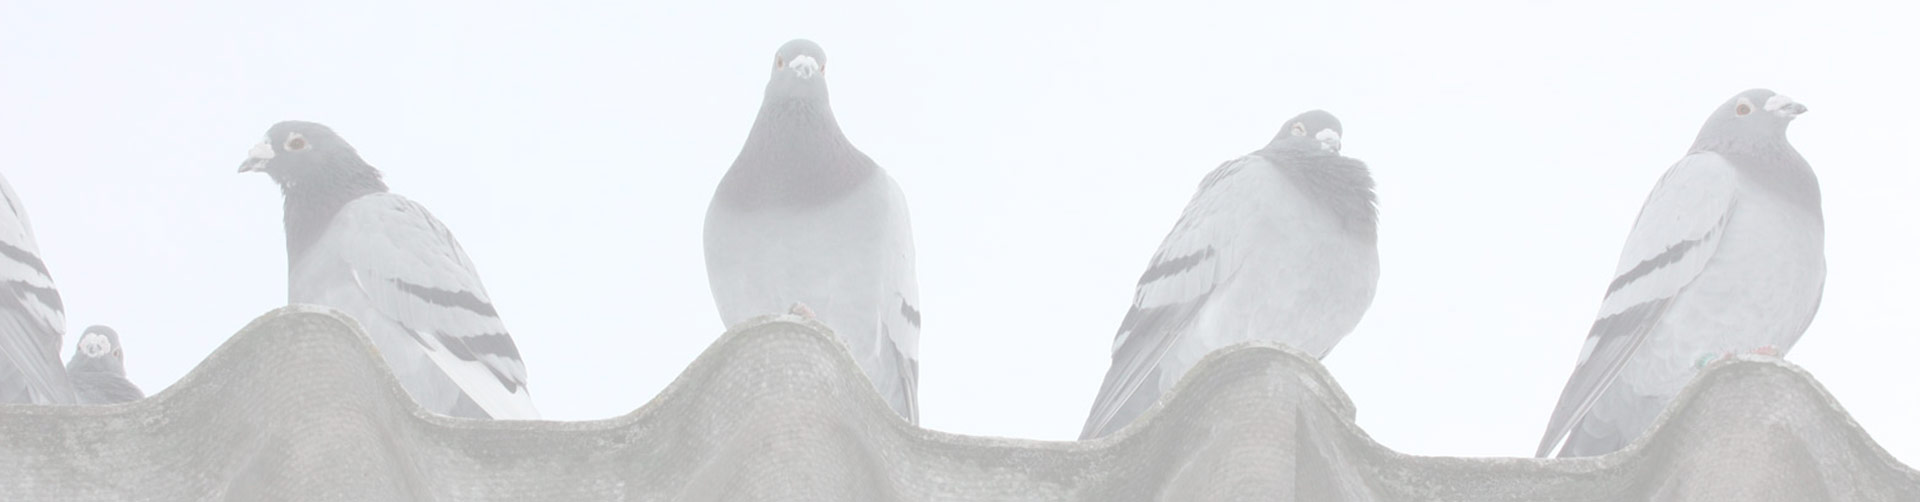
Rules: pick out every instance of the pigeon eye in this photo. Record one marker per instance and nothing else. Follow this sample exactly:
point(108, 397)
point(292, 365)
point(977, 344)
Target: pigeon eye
point(1299, 129)
point(296, 142)
point(778, 62)
point(1743, 109)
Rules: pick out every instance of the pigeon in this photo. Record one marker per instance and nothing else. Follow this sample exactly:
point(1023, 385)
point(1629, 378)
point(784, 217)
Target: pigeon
point(98, 369)
point(392, 266)
point(1278, 245)
point(803, 222)
point(1726, 257)
point(32, 318)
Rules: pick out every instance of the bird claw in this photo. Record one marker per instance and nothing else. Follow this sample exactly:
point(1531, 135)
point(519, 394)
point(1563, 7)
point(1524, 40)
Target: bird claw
point(801, 309)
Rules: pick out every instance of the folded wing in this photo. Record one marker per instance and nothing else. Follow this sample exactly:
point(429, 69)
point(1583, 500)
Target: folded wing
point(1175, 288)
point(32, 318)
point(1677, 233)
point(407, 269)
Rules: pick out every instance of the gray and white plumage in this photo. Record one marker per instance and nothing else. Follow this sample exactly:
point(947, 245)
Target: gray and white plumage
point(1727, 256)
point(98, 369)
point(1277, 245)
point(32, 317)
point(804, 217)
point(386, 261)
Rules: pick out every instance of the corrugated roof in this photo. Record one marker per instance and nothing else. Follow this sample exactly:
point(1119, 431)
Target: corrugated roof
point(298, 406)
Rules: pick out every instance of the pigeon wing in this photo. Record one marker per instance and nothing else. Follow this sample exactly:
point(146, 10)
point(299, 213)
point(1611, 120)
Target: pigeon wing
point(405, 267)
point(1677, 233)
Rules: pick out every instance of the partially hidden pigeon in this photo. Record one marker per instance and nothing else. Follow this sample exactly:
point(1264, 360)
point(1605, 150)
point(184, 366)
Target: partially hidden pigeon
point(388, 263)
point(98, 369)
point(32, 318)
point(802, 217)
point(1277, 245)
point(1727, 256)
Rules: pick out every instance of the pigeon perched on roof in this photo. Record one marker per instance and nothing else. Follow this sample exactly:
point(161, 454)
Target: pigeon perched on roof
point(803, 217)
point(1727, 256)
point(98, 369)
point(1277, 245)
point(32, 318)
point(386, 261)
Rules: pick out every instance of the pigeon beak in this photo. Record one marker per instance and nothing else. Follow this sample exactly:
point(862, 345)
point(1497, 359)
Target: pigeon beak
point(1329, 140)
point(1785, 107)
point(257, 158)
point(804, 66)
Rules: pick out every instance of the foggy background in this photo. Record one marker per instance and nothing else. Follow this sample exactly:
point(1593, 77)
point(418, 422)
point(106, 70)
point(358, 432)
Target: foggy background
point(1045, 151)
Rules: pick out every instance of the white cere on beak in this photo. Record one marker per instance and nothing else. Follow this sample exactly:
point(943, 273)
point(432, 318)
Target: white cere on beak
point(1784, 106)
point(262, 151)
point(95, 345)
point(257, 157)
point(1329, 139)
point(804, 66)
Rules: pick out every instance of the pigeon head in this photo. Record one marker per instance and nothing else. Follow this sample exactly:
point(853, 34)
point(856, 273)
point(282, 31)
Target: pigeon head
point(317, 172)
point(1754, 116)
point(1315, 130)
point(799, 72)
point(296, 153)
point(99, 348)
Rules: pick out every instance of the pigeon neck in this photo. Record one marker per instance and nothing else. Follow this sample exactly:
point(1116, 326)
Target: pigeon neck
point(311, 203)
point(81, 364)
point(1772, 164)
point(796, 155)
point(1341, 185)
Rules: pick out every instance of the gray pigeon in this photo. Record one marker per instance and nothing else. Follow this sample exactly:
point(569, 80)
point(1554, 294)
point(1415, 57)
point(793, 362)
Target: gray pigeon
point(32, 318)
point(1278, 245)
point(1727, 256)
point(98, 369)
point(390, 264)
point(804, 218)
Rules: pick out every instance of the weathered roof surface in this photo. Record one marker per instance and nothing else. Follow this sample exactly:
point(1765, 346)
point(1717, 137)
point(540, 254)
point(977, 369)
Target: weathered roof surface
point(297, 406)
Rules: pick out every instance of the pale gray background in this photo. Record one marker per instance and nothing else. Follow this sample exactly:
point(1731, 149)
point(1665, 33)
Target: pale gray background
point(1046, 150)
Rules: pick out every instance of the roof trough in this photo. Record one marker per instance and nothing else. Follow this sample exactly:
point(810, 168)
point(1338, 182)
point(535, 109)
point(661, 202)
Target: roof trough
point(298, 406)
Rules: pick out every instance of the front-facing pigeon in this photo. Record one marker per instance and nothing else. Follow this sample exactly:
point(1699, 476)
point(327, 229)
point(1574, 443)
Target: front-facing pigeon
point(32, 318)
point(392, 266)
point(804, 222)
point(1277, 245)
point(1727, 256)
point(98, 369)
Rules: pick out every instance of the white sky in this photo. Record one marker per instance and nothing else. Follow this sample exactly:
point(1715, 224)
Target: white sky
point(1046, 150)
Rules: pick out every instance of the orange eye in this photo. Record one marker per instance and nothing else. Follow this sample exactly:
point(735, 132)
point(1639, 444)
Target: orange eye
point(1743, 108)
point(296, 143)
